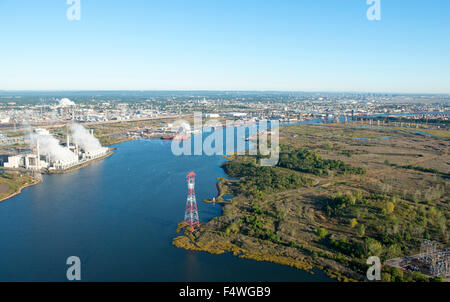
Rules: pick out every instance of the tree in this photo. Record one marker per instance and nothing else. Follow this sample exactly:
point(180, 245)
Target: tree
point(233, 228)
point(322, 233)
point(393, 251)
point(373, 247)
point(362, 230)
point(359, 195)
point(353, 222)
point(390, 207)
point(351, 199)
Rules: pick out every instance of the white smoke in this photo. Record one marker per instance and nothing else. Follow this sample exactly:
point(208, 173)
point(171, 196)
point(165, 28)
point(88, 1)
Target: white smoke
point(84, 139)
point(181, 126)
point(49, 146)
point(65, 102)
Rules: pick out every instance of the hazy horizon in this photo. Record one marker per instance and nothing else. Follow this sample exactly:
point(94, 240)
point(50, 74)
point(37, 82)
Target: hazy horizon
point(225, 91)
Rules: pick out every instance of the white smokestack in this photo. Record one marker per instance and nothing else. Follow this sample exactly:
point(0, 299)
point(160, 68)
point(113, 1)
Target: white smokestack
point(49, 146)
point(68, 138)
point(38, 155)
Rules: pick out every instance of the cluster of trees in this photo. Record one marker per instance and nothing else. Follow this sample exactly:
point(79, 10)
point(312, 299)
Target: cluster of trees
point(255, 227)
point(310, 162)
point(362, 249)
point(427, 170)
point(418, 168)
point(393, 274)
point(339, 201)
point(359, 250)
point(353, 249)
point(257, 181)
point(6, 175)
point(255, 223)
point(322, 232)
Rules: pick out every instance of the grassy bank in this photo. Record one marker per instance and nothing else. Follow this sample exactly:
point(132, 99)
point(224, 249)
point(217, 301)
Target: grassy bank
point(12, 183)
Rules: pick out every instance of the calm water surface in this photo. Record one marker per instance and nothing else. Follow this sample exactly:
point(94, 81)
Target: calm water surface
point(119, 216)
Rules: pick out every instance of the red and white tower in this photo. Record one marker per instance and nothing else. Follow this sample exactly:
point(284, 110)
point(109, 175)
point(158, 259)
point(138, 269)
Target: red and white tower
point(191, 214)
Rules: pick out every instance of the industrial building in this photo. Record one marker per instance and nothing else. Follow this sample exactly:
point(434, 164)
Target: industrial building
point(47, 154)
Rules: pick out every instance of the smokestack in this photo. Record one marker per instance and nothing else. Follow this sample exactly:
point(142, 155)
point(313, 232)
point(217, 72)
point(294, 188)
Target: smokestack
point(85, 138)
point(50, 146)
point(38, 155)
point(68, 139)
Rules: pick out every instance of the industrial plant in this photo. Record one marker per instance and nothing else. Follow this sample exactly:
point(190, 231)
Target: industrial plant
point(431, 261)
point(47, 154)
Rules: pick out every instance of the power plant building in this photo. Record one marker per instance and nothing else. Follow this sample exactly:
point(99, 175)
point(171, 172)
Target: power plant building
point(59, 159)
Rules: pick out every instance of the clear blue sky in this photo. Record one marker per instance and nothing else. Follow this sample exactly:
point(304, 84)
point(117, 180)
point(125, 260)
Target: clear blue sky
point(303, 45)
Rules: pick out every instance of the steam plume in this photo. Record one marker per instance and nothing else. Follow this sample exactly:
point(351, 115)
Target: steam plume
point(49, 146)
point(84, 139)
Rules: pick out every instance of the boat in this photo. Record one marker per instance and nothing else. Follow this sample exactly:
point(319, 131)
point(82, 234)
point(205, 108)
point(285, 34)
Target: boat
point(167, 138)
point(181, 138)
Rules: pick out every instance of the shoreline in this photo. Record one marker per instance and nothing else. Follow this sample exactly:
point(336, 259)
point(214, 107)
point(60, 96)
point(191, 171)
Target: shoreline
point(186, 240)
point(35, 182)
point(83, 165)
point(38, 181)
point(331, 253)
point(221, 191)
point(305, 262)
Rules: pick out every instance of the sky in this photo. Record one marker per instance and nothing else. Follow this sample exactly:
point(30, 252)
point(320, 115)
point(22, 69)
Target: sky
point(292, 45)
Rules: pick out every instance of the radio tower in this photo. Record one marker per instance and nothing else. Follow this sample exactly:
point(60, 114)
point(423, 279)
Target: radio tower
point(191, 214)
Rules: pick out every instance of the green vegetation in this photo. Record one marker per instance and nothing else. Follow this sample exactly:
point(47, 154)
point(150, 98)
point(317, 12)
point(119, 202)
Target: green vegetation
point(333, 209)
point(310, 162)
point(15, 134)
point(257, 181)
point(393, 274)
point(13, 183)
point(321, 232)
point(335, 205)
point(427, 170)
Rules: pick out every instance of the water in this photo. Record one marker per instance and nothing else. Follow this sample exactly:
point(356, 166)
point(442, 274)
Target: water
point(119, 216)
point(411, 113)
point(365, 139)
point(420, 132)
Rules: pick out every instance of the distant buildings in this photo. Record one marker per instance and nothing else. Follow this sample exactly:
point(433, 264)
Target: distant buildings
point(236, 114)
point(211, 115)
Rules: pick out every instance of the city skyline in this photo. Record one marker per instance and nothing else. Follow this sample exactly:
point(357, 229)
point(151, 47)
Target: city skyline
point(234, 46)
